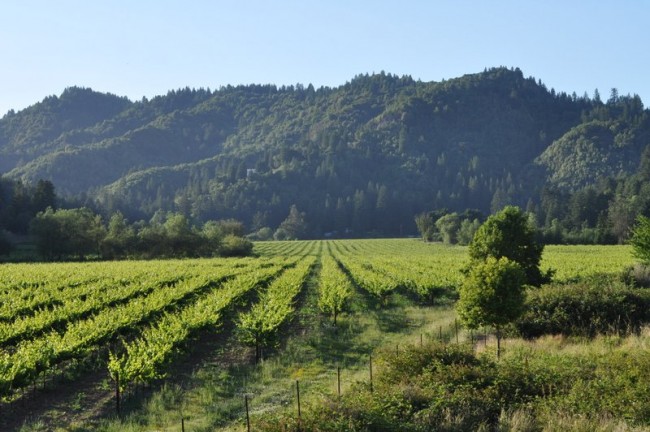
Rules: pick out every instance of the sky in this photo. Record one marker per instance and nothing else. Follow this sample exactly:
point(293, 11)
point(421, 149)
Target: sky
point(139, 48)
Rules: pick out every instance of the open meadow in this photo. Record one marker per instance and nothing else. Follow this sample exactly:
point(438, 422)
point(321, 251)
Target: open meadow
point(309, 331)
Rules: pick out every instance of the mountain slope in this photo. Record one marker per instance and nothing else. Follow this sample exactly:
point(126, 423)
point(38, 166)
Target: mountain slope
point(366, 155)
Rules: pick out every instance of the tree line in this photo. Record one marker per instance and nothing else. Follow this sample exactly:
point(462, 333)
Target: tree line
point(79, 233)
point(601, 213)
point(361, 159)
point(61, 231)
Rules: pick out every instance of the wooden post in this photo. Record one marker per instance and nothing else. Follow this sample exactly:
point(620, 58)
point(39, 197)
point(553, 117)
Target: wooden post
point(498, 343)
point(182, 424)
point(338, 378)
point(371, 389)
point(421, 340)
point(117, 392)
point(248, 419)
point(456, 329)
point(298, 396)
point(440, 334)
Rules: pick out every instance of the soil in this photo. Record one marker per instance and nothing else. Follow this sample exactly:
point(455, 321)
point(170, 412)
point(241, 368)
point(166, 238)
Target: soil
point(83, 400)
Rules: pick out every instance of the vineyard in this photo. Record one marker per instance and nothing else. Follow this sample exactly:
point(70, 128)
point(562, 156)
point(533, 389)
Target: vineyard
point(132, 321)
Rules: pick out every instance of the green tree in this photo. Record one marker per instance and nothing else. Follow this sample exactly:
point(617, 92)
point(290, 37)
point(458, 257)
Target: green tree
point(295, 225)
point(621, 216)
point(182, 240)
point(448, 225)
point(44, 196)
point(120, 238)
point(426, 226)
point(509, 234)
point(68, 233)
point(212, 237)
point(492, 294)
point(235, 246)
point(467, 231)
point(640, 239)
point(231, 227)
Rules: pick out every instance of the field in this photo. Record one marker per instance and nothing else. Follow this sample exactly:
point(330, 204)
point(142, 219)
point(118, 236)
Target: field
point(189, 342)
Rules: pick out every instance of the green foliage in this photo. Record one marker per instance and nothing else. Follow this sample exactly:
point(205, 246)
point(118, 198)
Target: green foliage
point(334, 288)
point(294, 227)
point(640, 239)
point(595, 306)
point(450, 388)
point(147, 312)
point(231, 227)
point(120, 238)
point(492, 293)
point(426, 226)
point(67, 233)
point(262, 234)
point(235, 246)
point(78, 233)
point(467, 230)
point(508, 234)
point(448, 225)
point(365, 156)
point(259, 326)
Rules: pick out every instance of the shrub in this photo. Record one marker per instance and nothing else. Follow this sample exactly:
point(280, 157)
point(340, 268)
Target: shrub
point(637, 275)
point(600, 305)
point(449, 388)
point(235, 246)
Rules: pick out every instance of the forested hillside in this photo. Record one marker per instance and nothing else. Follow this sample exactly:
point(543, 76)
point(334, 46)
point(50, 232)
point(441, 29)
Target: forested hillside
point(360, 158)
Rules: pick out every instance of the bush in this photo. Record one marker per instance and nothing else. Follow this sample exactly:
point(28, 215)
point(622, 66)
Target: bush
point(599, 305)
point(449, 388)
point(235, 246)
point(637, 275)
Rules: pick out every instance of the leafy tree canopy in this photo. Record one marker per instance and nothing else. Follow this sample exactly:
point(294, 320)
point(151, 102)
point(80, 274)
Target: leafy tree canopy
point(492, 293)
point(640, 239)
point(509, 234)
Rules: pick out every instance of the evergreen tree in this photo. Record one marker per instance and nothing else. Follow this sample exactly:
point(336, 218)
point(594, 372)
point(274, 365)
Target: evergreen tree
point(640, 239)
point(295, 225)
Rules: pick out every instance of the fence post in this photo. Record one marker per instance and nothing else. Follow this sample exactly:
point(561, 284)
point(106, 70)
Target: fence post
point(371, 389)
point(338, 378)
point(117, 392)
point(248, 419)
point(298, 395)
point(456, 328)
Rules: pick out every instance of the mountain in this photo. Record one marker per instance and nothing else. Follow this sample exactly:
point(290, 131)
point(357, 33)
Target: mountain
point(365, 156)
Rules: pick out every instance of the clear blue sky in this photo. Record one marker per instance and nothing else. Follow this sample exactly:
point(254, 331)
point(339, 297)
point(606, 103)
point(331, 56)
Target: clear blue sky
point(141, 48)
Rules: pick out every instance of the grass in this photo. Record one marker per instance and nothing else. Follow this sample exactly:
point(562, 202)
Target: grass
point(311, 349)
point(213, 398)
